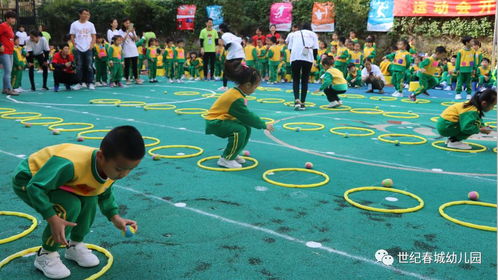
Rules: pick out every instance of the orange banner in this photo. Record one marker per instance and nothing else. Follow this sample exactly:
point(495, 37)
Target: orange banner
point(444, 8)
point(322, 18)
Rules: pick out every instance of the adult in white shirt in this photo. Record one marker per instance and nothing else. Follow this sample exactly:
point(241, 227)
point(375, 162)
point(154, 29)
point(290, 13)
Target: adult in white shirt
point(83, 35)
point(233, 45)
point(130, 51)
point(23, 36)
point(372, 76)
point(303, 45)
point(113, 30)
point(37, 48)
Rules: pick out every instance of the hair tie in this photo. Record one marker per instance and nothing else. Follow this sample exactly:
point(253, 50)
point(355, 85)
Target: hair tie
point(243, 63)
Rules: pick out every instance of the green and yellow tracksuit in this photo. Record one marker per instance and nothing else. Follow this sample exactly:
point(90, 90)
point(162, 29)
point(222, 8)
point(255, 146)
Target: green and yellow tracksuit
point(465, 66)
point(251, 54)
point(115, 56)
point(63, 180)
point(286, 67)
point(101, 59)
point(412, 73)
point(274, 58)
point(342, 60)
point(333, 84)
point(485, 77)
point(369, 53)
point(152, 54)
point(426, 79)
point(179, 62)
point(354, 79)
point(141, 57)
point(401, 61)
point(169, 62)
point(18, 65)
point(319, 71)
point(230, 118)
point(262, 62)
point(219, 62)
point(194, 67)
point(458, 122)
point(449, 74)
point(356, 57)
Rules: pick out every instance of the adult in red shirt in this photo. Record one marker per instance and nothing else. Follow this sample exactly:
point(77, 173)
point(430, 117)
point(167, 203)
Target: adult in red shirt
point(7, 50)
point(259, 36)
point(273, 32)
point(64, 68)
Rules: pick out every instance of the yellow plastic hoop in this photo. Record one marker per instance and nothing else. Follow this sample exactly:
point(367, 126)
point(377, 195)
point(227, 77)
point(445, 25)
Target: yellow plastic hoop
point(29, 121)
point(340, 108)
point(199, 151)
point(248, 97)
point(212, 95)
point(108, 101)
point(159, 107)
point(494, 149)
point(83, 133)
point(368, 111)
point(449, 103)
point(419, 101)
point(199, 163)
point(435, 119)
point(110, 258)
point(481, 147)
point(490, 124)
point(131, 104)
point(382, 210)
point(7, 110)
point(12, 115)
point(325, 176)
point(271, 100)
point(313, 93)
point(352, 96)
point(369, 131)
point(307, 104)
point(401, 115)
point(54, 126)
point(462, 223)
point(319, 126)
point(422, 139)
point(383, 98)
point(187, 92)
point(191, 111)
point(33, 220)
point(267, 120)
point(156, 141)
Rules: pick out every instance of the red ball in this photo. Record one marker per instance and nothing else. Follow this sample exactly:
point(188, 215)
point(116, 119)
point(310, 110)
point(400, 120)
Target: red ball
point(246, 153)
point(80, 139)
point(308, 165)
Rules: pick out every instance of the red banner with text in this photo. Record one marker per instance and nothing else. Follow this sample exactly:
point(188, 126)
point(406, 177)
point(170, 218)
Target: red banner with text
point(444, 8)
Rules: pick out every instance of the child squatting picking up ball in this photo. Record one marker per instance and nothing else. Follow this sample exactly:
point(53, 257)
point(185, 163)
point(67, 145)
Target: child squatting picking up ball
point(66, 182)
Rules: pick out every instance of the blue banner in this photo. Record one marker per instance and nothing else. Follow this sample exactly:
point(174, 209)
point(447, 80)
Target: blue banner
point(381, 16)
point(215, 12)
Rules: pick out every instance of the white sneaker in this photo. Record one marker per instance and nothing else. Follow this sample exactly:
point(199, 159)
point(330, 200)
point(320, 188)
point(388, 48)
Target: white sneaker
point(197, 79)
point(340, 102)
point(170, 80)
point(334, 104)
point(458, 145)
point(190, 79)
point(223, 162)
point(91, 86)
point(81, 255)
point(407, 86)
point(128, 82)
point(76, 87)
point(217, 78)
point(468, 97)
point(17, 90)
point(447, 88)
point(397, 94)
point(222, 88)
point(240, 160)
point(51, 265)
point(458, 96)
point(84, 85)
point(179, 81)
point(98, 84)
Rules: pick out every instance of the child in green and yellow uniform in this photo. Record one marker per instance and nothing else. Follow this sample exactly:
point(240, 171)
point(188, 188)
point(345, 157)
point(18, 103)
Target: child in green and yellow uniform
point(169, 60)
point(369, 50)
point(428, 68)
point(465, 66)
point(356, 56)
point(401, 61)
point(229, 116)
point(476, 45)
point(141, 57)
point(152, 53)
point(116, 61)
point(66, 183)
point(449, 76)
point(180, 60)
point(194, 65)
point(262, 63)
point(274, 57)
point(286, 68)
point(354, 76)
point(322, 52)
point(342, 58)
point(100, 58)
point(18, 65)
point(281, 70)
point(219, 62)
point(333, 82)
point(462, 120)
point(484, 73)
point(250, 52)
point(412, 73)
point(335, 42)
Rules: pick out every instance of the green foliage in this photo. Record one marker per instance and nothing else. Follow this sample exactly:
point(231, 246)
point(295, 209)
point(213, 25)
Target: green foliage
point(436, 27)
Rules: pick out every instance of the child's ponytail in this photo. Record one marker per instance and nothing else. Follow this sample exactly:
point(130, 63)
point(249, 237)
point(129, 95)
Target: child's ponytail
point(487, 95)
point(240, 73)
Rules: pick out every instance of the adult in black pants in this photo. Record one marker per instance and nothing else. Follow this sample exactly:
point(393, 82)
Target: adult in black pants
point(130, 52)
point(372, 76)
point(208, 39)
point(37, 49)
point(303, 45)
point(64, 68)
point(233, 45)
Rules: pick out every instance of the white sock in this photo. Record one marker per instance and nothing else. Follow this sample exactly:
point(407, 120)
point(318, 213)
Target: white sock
point(43, 251)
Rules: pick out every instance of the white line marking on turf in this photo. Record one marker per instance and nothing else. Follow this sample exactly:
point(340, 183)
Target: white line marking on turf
point(11, 154)
point(283, 236)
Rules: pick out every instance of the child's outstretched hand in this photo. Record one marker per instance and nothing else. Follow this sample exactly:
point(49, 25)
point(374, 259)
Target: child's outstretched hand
point(486, 129)
point(57, 227)
point(121, 223)
point(270, 127)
